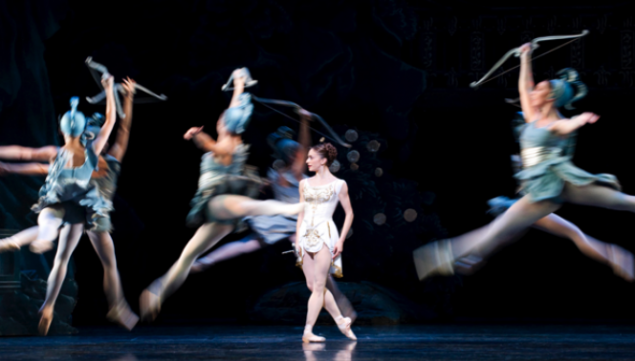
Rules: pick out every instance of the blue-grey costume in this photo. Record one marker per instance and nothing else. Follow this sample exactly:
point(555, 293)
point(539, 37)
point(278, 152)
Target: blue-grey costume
point(217, 179)
point(72, 188)
point(546, 159)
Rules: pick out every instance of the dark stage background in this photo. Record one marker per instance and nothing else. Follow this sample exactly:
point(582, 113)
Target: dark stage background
point(395, 71)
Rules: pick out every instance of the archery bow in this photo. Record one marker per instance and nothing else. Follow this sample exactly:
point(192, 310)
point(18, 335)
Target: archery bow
point(333, 136)
point(516, 53)
point(97, 71)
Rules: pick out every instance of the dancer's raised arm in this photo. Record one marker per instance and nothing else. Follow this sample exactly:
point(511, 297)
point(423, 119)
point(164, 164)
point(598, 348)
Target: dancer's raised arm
point(526, 83)
point(299, 163)
point(118, 150)
point(111, 115)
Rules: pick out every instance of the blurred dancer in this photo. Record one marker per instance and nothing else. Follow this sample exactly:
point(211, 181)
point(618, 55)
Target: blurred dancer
point(224, 197)
point(548, 177)
point(104, 180)
point(267, 230)
point(318, 242)
point(619, 259)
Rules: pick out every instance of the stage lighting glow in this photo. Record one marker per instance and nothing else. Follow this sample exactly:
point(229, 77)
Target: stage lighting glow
point(379, 172)
point(351, 135)
point(352, 156)
point(373, 146)
point(379, 219)
point(354, 166)
point(335, 166)
point(410, 215)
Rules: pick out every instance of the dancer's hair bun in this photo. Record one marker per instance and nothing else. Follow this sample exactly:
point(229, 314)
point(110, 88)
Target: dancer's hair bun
point(326, 150)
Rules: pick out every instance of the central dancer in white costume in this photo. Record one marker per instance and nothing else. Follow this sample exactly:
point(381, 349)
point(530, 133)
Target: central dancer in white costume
point(318, 241)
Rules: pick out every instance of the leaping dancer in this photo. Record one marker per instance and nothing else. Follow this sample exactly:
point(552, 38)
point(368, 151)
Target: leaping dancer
point(224, 196)
point(548, 178)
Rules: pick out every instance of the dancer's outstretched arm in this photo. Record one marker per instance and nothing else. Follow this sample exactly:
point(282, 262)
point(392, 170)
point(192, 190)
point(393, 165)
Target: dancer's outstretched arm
point(567, 126)
point(118, 150)
point(41, 169)
point(111, 117)
point(16, 152)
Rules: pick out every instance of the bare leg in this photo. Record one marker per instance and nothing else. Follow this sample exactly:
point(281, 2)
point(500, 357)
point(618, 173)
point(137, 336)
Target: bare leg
point(316, 267)
point(19, 240)
point(227, 251)
point(438, 257)
point(227, 207)
point(343, 304)
point(620, 260)
point(119, 310)
point(599, 196)
point(69, 238)
point(205, 237)
point(49, 222)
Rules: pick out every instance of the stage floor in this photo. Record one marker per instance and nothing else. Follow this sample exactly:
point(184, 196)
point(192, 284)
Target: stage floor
point(433, 342)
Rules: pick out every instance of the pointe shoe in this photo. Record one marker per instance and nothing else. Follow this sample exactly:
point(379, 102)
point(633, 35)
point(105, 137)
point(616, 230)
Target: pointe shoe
point(312, 338)
point(46, 318)
point(41, 246)
point(249, 82)
point(434, 258)
point(9, 245)
point(123, 315)
point(622, 262)
point(345, 328)
point(149, 305)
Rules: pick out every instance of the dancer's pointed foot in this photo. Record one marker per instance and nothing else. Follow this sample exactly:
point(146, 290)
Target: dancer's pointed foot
point(149, 305)
point(621, 261)
point(46, 318)
point(9, 245)
point(122, 314)
point(434, 258)
point(344, 324)
point(310, 337)
point(41, 246)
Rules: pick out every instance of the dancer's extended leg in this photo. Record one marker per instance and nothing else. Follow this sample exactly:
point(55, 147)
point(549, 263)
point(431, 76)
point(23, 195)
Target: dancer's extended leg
point(618, 258)
point(119, 310)
point(20, 239)
point(49, 222)
point(226, 207)
point(205, 237)
point(343, 304)
point(249, 244)
point(69, 238)
point(438, 257)
point(599, 196)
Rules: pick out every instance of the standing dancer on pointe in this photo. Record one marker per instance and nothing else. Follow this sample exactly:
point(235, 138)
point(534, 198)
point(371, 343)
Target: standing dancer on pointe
point(223, 197)
point(319, 243)
point(619, 259)
point(104, 179)
point(268, 230)
point(68, 198)
point(548, 177)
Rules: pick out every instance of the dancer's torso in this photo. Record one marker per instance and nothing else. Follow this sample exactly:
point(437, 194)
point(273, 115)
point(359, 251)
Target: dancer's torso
point(68, 183)
point(212, 170)
point(539, 144)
